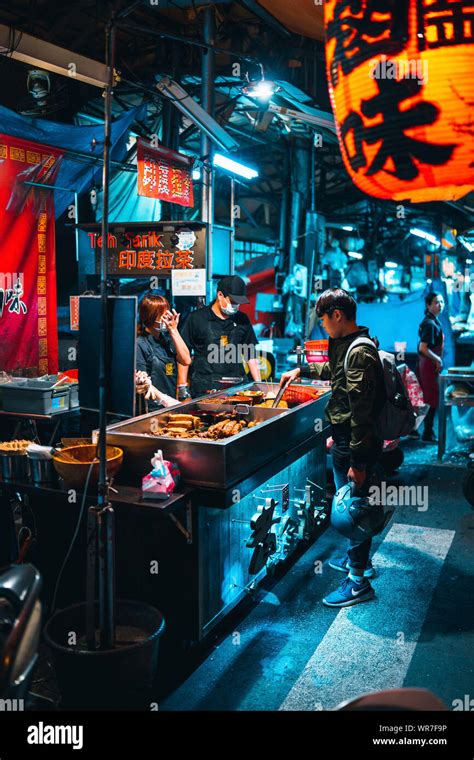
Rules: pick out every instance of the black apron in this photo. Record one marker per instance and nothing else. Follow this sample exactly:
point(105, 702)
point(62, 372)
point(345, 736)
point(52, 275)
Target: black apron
point(223, 337)
point(161, 366)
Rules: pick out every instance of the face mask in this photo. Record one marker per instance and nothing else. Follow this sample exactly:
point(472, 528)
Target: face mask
point(161, 328)
point(230, 310)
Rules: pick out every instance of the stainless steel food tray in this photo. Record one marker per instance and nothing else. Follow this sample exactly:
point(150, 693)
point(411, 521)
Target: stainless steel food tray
point(219, 464)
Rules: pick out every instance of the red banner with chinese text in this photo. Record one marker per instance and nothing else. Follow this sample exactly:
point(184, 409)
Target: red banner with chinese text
point(164, 174)
point(28, 315)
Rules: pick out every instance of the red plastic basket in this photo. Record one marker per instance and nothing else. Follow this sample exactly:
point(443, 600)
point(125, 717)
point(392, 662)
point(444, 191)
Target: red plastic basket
point(317, 345)
point(302, 393)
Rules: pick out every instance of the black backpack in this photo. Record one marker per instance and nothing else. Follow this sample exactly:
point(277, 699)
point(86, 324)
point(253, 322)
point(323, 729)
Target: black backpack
point(397, 416)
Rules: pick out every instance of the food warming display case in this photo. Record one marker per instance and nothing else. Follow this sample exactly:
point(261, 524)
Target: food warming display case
point(219, 464)
point(251, 499)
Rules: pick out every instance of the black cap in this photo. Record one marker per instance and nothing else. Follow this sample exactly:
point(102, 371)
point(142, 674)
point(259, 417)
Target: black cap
point(234, 288)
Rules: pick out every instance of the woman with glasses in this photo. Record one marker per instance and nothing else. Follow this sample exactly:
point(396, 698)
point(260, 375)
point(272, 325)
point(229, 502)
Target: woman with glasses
point(160, 348)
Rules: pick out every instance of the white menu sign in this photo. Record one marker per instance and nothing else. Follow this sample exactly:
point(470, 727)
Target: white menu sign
point(188, 282)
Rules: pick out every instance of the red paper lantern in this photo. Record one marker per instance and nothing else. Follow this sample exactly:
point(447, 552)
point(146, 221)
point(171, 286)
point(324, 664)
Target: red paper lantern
point(401, 80)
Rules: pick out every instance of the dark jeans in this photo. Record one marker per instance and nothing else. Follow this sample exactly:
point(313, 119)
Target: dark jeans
point(358, 553)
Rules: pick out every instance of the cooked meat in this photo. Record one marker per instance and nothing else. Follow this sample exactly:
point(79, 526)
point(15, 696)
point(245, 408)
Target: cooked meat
point(179, 424)
point(175, 431)
point(189, 426)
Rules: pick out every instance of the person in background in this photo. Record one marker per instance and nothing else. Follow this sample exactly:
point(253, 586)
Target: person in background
point(160, 348)
point(430, 362)
point(356, 399)
point(221, 338)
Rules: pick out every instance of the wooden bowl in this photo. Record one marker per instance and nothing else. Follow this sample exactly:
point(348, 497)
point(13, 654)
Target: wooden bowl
point(75, 473)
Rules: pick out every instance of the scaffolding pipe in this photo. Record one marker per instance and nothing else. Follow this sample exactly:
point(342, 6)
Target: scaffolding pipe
point(207, 150)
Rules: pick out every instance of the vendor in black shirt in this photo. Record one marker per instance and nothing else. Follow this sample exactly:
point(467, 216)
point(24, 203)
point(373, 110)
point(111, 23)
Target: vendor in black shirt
point(221, 339)
point(159, 348)
point(430, 362)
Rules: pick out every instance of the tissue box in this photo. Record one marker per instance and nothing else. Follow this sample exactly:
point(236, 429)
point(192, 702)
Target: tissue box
point(157, 488)
point(162, 480)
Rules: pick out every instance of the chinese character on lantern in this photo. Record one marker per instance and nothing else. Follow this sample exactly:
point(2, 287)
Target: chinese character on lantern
point(396, 150)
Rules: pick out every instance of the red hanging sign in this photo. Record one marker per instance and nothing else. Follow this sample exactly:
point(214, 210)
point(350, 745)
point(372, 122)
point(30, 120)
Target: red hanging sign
point(164, 174)
point(28, 317)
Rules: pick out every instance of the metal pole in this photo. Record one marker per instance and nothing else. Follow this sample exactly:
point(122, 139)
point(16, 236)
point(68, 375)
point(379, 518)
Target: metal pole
point(76, 231)
point(102, 515)
point(110, 45)
point(294, 228)
point(311, 229)
point(283, 236)
point(232, 223)
point(208, 103)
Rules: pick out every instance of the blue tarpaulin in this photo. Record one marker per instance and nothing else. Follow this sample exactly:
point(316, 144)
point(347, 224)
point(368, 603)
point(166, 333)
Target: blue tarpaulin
point(75, 172)
point(398, 320)
point(125, 205)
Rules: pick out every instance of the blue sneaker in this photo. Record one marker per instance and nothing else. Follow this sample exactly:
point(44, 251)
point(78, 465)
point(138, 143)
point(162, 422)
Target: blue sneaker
point(349, 593)
point(342, 564)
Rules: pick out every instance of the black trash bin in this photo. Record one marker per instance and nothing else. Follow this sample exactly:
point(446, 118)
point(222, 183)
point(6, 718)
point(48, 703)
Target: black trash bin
point(122, 678)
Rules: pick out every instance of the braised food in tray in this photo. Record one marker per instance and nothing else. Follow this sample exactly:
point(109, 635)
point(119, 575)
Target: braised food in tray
point(217, 401)
point(192, 426)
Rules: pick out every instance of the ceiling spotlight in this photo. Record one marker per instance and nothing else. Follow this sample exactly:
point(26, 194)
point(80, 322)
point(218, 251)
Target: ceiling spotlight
point(260, 89)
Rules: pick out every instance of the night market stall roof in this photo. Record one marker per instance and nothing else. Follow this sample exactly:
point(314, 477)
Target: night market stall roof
point(83, 147)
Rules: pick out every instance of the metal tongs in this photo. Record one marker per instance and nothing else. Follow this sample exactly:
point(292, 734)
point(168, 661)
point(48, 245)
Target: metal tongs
point(280, 394)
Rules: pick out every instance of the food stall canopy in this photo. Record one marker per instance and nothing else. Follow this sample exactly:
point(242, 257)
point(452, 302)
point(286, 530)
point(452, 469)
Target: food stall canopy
point(75, 172)
point(304, 17)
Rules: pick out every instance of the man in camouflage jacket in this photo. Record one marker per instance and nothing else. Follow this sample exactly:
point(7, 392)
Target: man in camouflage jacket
point(357, 397)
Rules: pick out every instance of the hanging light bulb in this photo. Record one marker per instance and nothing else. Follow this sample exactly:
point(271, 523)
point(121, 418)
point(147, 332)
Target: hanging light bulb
point(260, 89)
